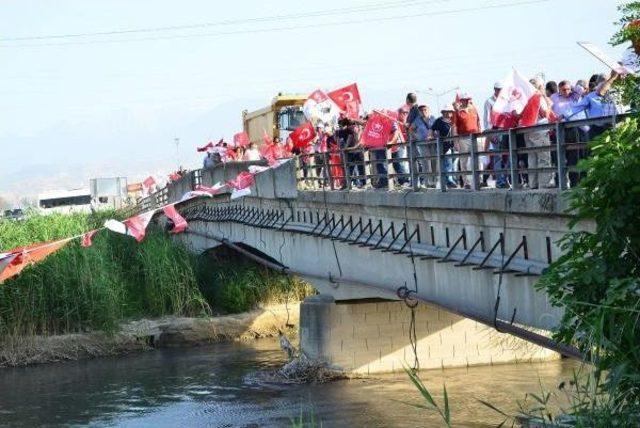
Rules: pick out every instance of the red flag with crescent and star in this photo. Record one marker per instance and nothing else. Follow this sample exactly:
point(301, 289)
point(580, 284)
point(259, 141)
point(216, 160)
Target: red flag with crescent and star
point(348, 99)
point(303, 135)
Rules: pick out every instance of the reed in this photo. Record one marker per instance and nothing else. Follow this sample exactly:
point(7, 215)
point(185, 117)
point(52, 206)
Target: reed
point(235, 284)
point(116, 279)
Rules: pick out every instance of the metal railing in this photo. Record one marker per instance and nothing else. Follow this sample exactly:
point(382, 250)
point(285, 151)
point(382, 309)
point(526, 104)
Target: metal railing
point(540, 156)
point(515, 156)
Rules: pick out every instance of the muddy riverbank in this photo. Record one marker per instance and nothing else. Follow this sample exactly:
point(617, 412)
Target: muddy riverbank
point(146, 334)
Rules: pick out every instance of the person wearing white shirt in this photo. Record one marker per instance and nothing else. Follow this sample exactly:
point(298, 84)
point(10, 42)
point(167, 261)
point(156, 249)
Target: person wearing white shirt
point(252, 153)
point(488, 106)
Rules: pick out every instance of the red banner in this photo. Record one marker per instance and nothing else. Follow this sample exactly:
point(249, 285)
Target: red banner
point(137, 225)
point(179, 223)
point(318, 96)
point(303, 135)
point(22, 257)
point(210, 190)
point(242, 181)
point(347, 98)
point(241, 139)
point(148, 182)
point(87, 238)
point(265, 137)
point(377, 132)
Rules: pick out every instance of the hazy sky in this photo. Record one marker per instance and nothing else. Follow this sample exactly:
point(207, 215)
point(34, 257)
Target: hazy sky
point(81, 106)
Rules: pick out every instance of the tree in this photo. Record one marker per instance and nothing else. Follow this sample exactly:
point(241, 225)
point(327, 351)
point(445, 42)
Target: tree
point(597, 280)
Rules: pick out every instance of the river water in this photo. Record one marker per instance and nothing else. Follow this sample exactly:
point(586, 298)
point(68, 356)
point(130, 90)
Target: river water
point(220, 386)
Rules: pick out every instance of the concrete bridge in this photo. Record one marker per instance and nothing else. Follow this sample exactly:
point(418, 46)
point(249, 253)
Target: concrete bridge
point(470, 259)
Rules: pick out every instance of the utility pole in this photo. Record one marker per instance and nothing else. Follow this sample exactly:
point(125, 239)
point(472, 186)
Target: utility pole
point(437, 95)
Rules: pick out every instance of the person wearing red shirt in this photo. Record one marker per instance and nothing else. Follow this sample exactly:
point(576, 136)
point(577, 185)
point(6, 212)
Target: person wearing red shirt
point(466, 121)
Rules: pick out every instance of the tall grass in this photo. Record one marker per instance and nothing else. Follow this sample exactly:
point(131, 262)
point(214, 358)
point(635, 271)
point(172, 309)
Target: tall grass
point(96, 288)
point(79, 288)
point(236, 284)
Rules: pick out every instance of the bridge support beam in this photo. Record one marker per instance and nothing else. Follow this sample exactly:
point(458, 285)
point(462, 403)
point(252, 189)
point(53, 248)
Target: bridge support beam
point(374, 337)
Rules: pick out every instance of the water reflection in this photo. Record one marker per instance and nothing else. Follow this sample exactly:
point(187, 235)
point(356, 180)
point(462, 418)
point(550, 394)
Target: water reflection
point(215, 386)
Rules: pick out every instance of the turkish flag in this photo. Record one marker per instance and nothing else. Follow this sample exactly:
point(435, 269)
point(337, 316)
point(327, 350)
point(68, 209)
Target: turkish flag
point(87, 238)
point(343, 96)
point(210, 190)
point(204, 148)
point(148, 182)
point(137, 225)
point(377, 131)
point(242, 181)
point(513, 97)
point(303, 135)
point(318, 96)
point(19, 258)
point(241, 139)
point(265, 137)
point(531, 111)
point(179, 223)
point(268, 152)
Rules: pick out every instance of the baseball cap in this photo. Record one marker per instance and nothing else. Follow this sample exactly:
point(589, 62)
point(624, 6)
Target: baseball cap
point(497, 85)
point(447, 107)
point(465, 96)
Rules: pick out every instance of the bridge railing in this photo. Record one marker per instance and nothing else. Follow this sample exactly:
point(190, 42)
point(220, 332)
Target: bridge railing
point(518, 156)
point(541, 156)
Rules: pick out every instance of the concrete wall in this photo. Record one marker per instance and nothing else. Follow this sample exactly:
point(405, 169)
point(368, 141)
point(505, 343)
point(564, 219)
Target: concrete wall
point(373, 337)
point(275, 183)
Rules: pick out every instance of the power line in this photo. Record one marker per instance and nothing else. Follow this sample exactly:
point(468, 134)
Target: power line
point(293, 27)
point(313, 14)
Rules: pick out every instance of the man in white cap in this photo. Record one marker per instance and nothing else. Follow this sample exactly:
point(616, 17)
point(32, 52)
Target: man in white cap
point(488, 105)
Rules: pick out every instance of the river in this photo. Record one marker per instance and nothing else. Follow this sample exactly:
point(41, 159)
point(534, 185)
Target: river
point(219, 386)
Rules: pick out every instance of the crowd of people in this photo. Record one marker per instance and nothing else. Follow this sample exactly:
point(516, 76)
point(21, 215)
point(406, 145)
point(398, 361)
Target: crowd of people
point(412, 141)
point(415, 129)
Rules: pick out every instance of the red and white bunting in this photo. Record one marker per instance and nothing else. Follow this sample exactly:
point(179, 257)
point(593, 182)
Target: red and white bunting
point(13, 262)
point(179, 223)
point(242, 181)
point(87, 238)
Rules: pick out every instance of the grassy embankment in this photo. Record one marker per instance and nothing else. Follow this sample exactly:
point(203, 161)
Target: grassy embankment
point(79, 289)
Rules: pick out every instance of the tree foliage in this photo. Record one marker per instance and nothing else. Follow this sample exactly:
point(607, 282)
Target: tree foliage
point(597, 280)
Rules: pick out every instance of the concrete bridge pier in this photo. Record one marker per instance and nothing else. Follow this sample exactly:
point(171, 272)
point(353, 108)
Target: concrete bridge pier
point(373, 336)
